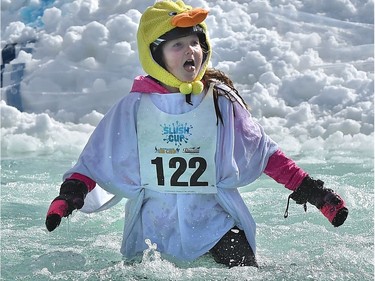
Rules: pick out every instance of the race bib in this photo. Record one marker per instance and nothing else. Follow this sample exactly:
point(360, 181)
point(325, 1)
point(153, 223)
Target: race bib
point(177, 152)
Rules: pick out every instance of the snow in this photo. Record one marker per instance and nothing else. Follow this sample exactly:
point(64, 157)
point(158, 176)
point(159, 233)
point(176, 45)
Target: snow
point(304, 67)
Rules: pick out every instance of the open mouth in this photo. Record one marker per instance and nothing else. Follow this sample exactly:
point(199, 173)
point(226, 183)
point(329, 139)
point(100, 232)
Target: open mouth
point(189, 65)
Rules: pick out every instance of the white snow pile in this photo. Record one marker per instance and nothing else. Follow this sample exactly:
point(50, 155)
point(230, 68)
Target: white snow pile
point(304, 67)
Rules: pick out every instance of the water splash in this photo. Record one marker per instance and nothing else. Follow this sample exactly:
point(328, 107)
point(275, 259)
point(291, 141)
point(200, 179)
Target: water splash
point(151, 254)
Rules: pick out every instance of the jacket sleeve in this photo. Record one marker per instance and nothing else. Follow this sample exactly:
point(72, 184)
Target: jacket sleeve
point(86, 180)
point(284, 170)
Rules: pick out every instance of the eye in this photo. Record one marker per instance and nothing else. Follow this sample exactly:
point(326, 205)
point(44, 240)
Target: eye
point(172, 13)
point(195, 42)
point(177, 44)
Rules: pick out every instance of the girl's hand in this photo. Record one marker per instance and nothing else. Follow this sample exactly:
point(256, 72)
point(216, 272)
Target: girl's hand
point(72, 196)
point(326, 200)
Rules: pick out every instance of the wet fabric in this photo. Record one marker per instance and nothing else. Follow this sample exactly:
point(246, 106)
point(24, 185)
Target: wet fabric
point(110, 158)
point(233, 249)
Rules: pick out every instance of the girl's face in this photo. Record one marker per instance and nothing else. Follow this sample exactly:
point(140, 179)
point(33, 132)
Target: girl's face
point(183, 57)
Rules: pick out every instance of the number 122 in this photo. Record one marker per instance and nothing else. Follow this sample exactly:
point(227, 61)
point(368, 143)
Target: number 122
point(197, 163)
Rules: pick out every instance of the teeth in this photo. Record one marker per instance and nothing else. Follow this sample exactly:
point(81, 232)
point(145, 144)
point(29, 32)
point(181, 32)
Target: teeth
point(189, 62)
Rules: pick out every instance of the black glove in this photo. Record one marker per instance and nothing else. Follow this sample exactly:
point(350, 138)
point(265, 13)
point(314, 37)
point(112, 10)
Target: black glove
point(326, 200)
point(72, 196)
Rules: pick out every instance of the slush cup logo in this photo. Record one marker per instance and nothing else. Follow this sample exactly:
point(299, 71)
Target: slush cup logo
point(176, 133)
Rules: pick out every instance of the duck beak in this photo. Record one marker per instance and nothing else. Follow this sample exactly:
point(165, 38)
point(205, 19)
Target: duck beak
point(190, 18)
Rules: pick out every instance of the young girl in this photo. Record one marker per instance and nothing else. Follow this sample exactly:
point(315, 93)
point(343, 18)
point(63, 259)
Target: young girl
point(178, 147)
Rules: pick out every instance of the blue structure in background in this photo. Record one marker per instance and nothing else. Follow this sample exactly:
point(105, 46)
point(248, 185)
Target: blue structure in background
point(32, 15)
point(12, 74)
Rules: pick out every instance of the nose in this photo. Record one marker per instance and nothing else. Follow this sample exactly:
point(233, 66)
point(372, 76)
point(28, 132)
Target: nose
point(189, 49)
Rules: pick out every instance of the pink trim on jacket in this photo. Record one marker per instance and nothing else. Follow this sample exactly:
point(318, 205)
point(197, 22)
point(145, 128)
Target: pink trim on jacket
point(284, 170)
point(145, 84)
point(86, 180)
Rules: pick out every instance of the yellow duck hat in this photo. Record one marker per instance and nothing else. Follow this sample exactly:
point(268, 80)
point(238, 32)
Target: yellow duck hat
point(159, 19)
